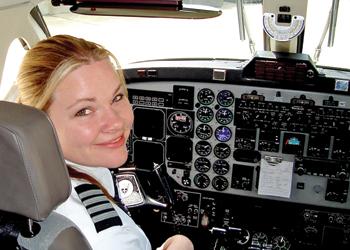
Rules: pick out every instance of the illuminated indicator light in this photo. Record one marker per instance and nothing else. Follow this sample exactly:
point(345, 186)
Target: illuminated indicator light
point(293, 141)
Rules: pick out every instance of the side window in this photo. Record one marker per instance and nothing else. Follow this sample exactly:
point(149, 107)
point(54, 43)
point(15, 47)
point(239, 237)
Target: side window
point(15, 54)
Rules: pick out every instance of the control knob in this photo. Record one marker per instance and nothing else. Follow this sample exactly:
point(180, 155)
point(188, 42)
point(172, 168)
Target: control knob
point(280, 243)
point(300, 170)
point(342, 175)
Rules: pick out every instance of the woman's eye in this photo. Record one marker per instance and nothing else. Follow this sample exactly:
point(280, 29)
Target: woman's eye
point(118, 97)
point(83, 112)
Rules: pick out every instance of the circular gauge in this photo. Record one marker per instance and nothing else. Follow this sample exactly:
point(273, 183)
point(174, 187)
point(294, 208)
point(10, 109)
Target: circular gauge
point(180, 122)
point(224, 116)
point(125, 188)
point(206, 96)
point(201, 180)
point(205, 114)
point(204, 131)
point(260, 238)
point(221, 167)
point(223, 133)
point(244, 237)
point(225, 98)
point(203, 148)
point(280, 243)
point(202, 164)
point(220, 183)
point(222, 150)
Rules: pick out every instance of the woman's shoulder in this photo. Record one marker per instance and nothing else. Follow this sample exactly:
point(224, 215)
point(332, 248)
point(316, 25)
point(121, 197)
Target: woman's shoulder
point(102, 175)
point(101, 220)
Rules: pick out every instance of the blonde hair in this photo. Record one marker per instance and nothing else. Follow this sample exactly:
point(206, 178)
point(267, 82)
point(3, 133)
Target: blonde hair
point(46, 64)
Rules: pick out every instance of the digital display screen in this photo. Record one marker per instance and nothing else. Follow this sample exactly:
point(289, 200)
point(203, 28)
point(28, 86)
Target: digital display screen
point(174, 154)
point(147, 153)
point(293, 143)
point(149, 123)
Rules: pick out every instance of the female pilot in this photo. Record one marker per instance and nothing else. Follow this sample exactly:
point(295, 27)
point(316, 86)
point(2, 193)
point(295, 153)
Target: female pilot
point(81, 86)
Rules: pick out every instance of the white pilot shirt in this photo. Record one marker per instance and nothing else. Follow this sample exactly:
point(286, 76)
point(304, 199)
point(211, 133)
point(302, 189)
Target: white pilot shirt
point(103, 223)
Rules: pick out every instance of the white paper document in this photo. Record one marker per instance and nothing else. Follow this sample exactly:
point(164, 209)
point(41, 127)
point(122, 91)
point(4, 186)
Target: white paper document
point(275, 179)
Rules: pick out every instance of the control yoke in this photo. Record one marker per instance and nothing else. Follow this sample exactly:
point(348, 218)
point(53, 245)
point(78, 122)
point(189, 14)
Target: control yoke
point(131, 192)
point(163, 179)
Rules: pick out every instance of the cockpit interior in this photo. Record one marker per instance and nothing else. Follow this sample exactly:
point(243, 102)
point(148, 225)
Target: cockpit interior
point(249, 152)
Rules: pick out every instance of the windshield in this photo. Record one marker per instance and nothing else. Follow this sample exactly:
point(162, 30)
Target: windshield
point(134, 39)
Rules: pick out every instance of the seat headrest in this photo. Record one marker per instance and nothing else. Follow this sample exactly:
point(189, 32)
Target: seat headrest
point(34, 178)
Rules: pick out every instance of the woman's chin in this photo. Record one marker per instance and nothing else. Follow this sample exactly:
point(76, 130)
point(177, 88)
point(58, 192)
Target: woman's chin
point(116, 162)
point(113, 160)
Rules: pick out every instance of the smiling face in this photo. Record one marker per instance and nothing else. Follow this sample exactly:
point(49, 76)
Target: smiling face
point(92, 116)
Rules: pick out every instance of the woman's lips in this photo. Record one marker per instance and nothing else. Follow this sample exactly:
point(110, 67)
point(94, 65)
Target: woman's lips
point(115, 143)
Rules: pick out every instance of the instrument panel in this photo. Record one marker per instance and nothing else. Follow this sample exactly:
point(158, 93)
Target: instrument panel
point(222, 135)
point(253, 165)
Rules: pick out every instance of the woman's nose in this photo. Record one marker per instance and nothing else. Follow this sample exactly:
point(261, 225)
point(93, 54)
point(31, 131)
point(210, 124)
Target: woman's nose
point(112, 120)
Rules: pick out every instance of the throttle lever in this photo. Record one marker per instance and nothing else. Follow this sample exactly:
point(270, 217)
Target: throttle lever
point(240, 236)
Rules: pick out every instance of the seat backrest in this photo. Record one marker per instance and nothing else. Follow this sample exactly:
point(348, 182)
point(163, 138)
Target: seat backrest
point(34, 178)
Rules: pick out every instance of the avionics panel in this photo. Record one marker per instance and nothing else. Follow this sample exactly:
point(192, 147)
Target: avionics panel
point(255, 163)
point(225, 138)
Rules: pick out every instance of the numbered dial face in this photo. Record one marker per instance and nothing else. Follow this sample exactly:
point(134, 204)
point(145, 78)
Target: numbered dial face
point(260, 238)
point(205, 114)
point(222, 150)
point(225, 98)
point(206, 96)
point(221, 167)
point(202, 164)
point(223, 133)
point(180, 122)
point(201, 180)
point(220, 183)
point(204, 131)
point(224, 116)
point(203, 148)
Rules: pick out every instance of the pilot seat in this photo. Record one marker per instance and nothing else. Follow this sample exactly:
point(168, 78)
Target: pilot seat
point(34, 181)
